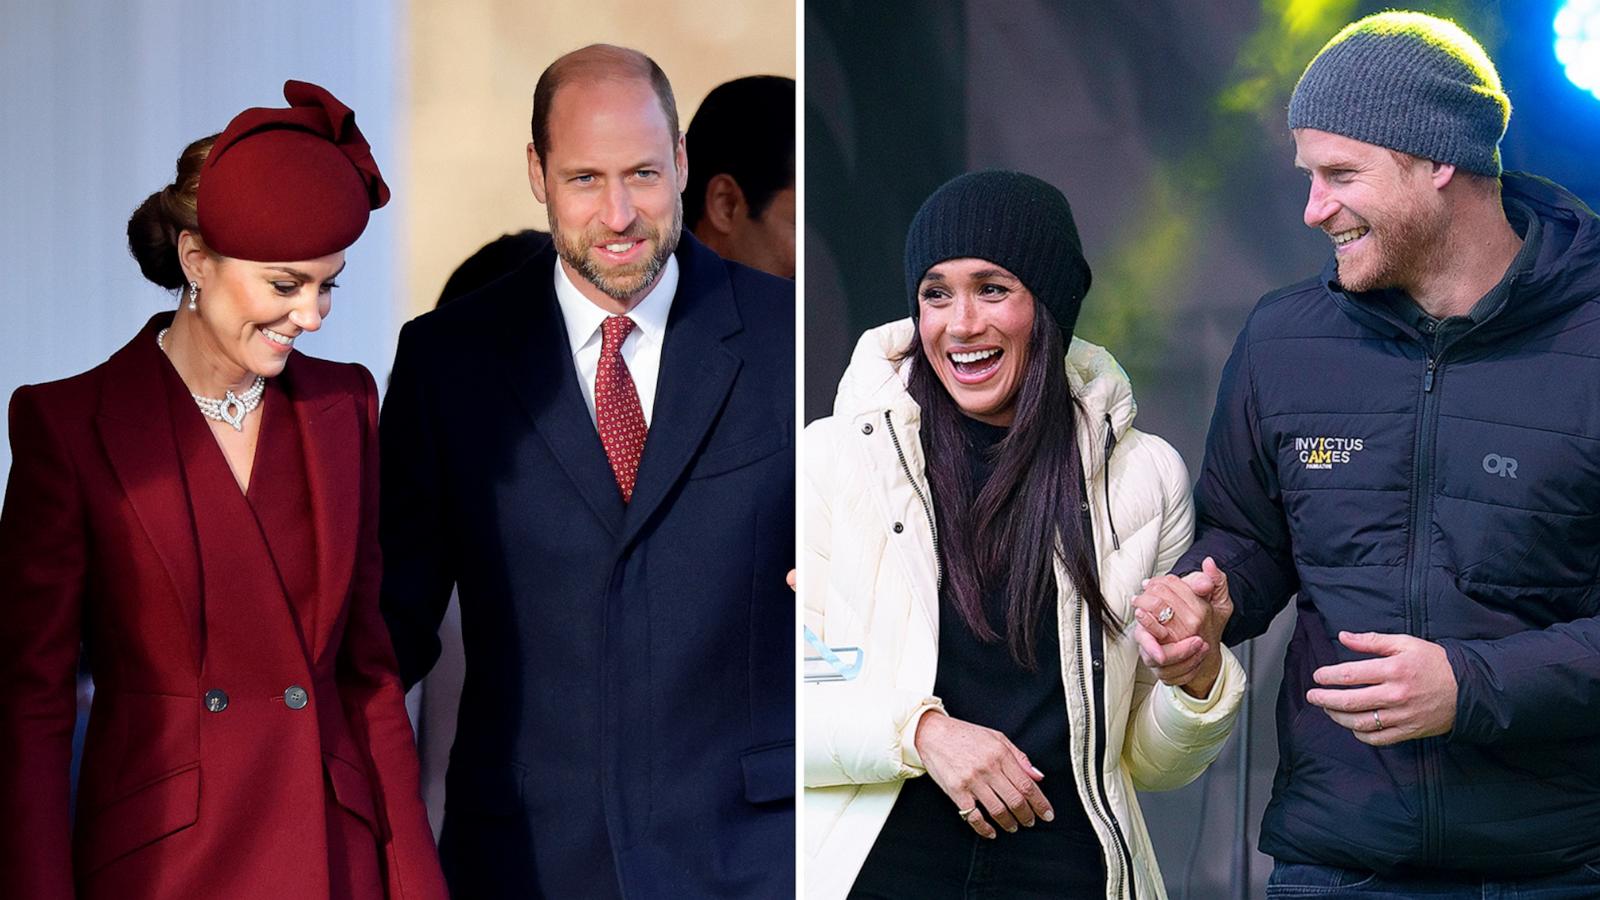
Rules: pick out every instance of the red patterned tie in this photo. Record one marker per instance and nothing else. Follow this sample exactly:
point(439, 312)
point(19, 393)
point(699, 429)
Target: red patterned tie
point(616, 406)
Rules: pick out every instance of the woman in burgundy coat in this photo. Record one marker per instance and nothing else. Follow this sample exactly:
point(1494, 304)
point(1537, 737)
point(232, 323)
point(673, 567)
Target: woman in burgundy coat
point(199, 515)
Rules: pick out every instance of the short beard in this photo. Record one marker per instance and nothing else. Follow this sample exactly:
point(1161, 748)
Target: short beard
point(1408, 247)
point(620, 286)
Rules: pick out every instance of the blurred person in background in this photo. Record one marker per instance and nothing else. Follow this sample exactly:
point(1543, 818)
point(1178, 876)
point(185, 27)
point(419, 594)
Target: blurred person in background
point(496, 259)
point(740, 197)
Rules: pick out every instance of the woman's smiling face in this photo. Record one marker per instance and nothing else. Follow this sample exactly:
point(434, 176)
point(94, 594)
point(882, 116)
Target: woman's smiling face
point(975, 322)
point(250, 313)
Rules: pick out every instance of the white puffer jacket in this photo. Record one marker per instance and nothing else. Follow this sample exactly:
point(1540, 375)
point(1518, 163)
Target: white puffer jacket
point(869, 579)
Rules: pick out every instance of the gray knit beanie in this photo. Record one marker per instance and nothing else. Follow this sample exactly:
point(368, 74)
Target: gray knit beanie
point(1410, 82)
point(1015, 220)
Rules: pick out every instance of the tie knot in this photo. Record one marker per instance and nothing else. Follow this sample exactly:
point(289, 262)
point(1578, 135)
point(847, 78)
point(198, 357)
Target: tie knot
point(613, 331)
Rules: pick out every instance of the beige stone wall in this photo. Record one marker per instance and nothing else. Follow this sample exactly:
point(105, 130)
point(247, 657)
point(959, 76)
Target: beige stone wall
point(472, 69)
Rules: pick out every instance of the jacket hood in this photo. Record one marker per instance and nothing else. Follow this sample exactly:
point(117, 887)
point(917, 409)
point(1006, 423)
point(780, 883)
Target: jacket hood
point(875, 380)
point(1567, 270)
point(1565, 274)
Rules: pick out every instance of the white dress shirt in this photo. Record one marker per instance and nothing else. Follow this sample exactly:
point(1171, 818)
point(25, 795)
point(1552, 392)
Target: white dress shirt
point(641, 349)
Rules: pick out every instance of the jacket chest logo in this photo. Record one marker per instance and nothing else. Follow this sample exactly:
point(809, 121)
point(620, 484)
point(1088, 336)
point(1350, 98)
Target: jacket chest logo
point(1504, 466)
point(1327, 452)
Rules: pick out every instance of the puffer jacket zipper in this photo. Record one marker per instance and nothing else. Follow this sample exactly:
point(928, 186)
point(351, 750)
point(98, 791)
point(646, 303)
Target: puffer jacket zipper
point(1105, 478)
point(1092, 758)
point(927, 508)
point(1421, 523)
point(1421, 508)
point(1091, 770)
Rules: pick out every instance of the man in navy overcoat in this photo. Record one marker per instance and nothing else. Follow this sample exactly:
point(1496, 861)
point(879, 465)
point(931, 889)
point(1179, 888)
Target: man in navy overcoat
point(598, 451)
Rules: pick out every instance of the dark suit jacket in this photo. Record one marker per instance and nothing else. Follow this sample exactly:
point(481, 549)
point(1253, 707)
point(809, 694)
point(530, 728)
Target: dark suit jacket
point(627, 721)
point(102, 543)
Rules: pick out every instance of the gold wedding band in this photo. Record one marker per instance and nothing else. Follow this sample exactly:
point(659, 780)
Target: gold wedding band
point(1165, 615)
point(1377, 721)
point(966, 814)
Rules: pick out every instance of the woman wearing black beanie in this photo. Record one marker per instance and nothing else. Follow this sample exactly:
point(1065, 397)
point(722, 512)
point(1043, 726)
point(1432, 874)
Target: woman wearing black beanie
point(977, 516)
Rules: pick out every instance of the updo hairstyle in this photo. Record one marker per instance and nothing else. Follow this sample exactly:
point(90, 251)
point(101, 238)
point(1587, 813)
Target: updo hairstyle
point(154, 227)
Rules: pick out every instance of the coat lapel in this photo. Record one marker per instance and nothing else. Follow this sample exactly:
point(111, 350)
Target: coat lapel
point(135, 426)
point(696, 374)
point(536, 358)
point(331, 433)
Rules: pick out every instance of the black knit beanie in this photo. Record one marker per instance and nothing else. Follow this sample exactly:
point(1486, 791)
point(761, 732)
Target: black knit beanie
point(1014, 220)
point(1410, 82)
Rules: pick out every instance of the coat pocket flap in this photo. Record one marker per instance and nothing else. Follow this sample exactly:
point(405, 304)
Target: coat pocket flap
point(718, 460)
point(351, 788)
point(769, 772)
point(150, 813)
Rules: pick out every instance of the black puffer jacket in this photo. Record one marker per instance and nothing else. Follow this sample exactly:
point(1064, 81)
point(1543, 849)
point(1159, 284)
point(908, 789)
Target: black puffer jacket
point(1448, 492)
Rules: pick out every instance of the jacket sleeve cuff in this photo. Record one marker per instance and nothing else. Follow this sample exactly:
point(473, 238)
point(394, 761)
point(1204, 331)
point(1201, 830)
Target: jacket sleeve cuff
point(1475, 723)
point(1176, 736)
point(908, 735)
point(1214, 712)
point(1201, 705)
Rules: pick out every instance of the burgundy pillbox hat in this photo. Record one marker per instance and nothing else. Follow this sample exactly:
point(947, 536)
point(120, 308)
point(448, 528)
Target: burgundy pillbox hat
point(289, 184)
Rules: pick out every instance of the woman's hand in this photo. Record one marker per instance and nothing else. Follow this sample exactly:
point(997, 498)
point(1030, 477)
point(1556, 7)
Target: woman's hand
point(981, 770)
point(1186, 650)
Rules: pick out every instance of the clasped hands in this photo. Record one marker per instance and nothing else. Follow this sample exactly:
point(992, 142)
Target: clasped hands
point(1405, 690)
point(1178, 624)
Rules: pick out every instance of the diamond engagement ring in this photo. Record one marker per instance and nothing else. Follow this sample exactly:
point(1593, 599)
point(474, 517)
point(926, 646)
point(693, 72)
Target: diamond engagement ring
point(1165, 615)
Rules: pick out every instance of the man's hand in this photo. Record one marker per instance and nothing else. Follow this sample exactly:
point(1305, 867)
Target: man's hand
point(1409, 693)
point(1185, 650)
point(981, 770)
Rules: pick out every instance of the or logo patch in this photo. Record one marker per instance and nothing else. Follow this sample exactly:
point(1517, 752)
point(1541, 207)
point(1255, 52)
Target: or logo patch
point(1495, 464)
point(1327, 452)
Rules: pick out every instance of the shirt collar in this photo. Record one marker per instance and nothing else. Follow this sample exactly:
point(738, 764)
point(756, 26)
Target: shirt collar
point(1532, 238)
point(583, 318)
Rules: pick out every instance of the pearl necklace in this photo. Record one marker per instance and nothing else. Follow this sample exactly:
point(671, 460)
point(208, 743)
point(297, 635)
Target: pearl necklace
point(230, 409)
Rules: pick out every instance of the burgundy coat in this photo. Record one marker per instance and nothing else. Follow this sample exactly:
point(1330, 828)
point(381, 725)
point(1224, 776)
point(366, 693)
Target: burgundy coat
point(114, 534)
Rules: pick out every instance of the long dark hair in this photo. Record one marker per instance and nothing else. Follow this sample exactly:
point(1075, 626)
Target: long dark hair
point(1005, 538)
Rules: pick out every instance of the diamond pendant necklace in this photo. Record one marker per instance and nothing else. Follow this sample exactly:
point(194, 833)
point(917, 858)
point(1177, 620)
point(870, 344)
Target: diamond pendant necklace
point(232, 408)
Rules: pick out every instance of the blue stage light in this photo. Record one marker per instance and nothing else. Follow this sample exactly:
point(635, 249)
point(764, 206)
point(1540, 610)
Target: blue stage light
point(1577, 28)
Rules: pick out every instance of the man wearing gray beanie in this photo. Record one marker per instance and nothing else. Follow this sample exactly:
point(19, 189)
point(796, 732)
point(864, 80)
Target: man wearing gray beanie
point(1408, 444)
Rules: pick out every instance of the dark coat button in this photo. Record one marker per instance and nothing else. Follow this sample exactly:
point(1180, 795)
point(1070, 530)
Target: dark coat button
point(295, 697)
point(216, 700)
point(899, 527)
point(867, 428)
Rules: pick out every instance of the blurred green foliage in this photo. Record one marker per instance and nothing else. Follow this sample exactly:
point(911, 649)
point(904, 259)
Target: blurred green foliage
point(1130, 307)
